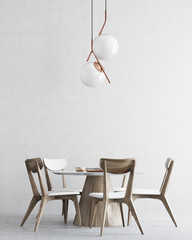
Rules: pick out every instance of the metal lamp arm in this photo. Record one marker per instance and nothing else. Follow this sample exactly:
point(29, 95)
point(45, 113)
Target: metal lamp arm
point(92, 26)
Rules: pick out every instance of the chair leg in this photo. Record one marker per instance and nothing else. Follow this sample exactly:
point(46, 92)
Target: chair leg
point(122, 214)
point(38, 212)
point(104, 216)
point(65, 209)
point(32, 204)
point(164, 201)
point(76, 203)
point(42, 206)
point(129, 213)
point(132, 209)
point(129, 217)
point(93, 211)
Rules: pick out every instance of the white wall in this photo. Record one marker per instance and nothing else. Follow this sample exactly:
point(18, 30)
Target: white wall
point(46, 111)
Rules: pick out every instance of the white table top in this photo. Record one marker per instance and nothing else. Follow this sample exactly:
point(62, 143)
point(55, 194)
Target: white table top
point(78, 173)
point(85, 173)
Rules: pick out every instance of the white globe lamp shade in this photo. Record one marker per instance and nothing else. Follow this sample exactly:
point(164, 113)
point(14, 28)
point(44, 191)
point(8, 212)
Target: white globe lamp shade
point(92, 75)
point(105, 47)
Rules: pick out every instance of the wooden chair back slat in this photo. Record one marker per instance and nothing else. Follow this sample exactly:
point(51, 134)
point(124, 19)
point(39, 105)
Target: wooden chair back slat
point(31, 163)
point(34, 166)
point(118, 166)
point(169, 166)
point(31, 168)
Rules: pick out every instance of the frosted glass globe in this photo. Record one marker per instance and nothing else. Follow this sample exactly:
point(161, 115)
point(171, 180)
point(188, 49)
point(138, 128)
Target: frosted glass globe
point(105, 46)
point(92, 75)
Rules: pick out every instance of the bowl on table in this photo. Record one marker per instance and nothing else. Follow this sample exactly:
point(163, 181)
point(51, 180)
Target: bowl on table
point(80, 169)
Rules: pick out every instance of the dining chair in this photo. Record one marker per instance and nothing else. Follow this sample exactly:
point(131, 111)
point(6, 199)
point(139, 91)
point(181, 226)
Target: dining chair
point(157, 194)
point(58, 164)
point(115, 166)
point(34, 167)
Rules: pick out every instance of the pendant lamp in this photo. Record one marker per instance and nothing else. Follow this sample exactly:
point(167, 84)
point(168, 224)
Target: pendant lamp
point(103, 47)
point(92, 75)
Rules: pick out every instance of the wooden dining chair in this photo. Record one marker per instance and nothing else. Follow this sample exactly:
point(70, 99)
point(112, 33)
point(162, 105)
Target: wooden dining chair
point(157, 194)
point(115, 166)
point(58, 164)
point(34, 167)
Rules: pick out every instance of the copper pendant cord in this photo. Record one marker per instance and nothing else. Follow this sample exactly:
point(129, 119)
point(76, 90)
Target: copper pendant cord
point(92, 52)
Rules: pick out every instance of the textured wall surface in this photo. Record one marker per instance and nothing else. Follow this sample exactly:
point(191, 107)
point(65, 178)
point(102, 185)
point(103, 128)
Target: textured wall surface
point(45, 111)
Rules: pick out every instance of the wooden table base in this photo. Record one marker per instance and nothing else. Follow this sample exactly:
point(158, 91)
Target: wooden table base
point(95, 184)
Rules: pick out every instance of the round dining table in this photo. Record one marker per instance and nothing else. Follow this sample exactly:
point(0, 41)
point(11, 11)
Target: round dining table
point(94, 183)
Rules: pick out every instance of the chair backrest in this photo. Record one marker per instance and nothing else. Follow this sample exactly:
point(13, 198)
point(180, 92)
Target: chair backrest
point(34, 166)
point(54, 165)
point(118, 166)
point(169, 166)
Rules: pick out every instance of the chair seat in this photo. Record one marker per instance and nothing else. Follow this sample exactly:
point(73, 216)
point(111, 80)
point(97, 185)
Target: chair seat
point(112, 195)
point(146, 191)
point(139, 191)
point(61, 193)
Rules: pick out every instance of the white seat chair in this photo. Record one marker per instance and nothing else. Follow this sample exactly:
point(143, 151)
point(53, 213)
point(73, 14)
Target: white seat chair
point(157, 194)
point(34, 166)
point(58, 165)
point(115, 166)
